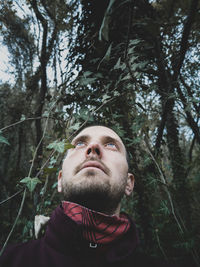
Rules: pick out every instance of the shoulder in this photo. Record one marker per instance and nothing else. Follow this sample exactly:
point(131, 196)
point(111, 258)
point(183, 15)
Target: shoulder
point(19, 252)
point(21, 246)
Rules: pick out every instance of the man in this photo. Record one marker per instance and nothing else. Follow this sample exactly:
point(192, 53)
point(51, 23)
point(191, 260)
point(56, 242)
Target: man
point(87, 229)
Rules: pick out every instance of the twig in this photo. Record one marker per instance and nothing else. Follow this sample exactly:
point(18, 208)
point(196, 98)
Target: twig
point(17, 193)
point(51, 154)
point(18, 122)
point(45, 127)
point(15, 222)
point(158, 240)
point(165, 188)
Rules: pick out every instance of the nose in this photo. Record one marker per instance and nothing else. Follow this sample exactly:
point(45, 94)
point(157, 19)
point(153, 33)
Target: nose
point(94, 149)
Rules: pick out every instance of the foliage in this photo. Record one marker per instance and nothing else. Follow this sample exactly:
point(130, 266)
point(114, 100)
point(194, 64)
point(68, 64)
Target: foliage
point(130, 65)
point(3, 140)
point(30, 183)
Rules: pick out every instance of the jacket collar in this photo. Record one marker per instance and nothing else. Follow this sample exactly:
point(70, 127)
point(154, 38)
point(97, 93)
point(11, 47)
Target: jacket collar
point(97, 228)
point(64, 235)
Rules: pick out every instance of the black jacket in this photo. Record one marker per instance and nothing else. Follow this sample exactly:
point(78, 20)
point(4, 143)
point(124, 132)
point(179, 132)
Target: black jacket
point(63, 246)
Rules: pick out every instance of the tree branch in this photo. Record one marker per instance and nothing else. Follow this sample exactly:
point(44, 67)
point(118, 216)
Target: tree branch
point(189, 118)
point(190, 93)
point(185, 36)
point(15, 222)
point(14, 195)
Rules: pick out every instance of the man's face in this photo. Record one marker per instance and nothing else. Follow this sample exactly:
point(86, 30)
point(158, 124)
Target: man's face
point(95, 172)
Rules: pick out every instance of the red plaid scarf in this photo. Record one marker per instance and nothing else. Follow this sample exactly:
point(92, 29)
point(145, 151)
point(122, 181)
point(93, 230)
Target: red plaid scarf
point(98, 228)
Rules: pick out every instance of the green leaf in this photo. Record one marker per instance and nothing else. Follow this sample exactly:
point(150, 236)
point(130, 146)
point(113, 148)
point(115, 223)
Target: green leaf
point(76, 126)
point(52, 161)
point(61, 146)
point(87, 73)
point(106, 57)
point(118, 64)
point(108, 52)
point(50, 170)
point(86, 81)
point(127, 77)
point(164, 207)
point(30, 183)
point(116, 93)
point(55, 185)
point(142, 64)
point(4, 140)
point(68, 146)
point(45, 114)
point(135, 42)
point(23, 117)
point(57, 146)
point(105, 97)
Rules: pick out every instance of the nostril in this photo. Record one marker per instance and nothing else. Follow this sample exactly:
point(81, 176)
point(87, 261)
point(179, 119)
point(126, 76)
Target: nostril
point(97, 151)
point(93, 149)
point(89, 151)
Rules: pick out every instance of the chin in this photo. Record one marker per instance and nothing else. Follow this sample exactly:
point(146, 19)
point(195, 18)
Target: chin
point(94, 196)
point(90, 179)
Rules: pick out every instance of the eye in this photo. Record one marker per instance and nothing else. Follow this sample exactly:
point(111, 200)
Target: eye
point(79, 144)
point(111, 145)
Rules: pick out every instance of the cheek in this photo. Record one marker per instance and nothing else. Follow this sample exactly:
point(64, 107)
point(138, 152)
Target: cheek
point(71, 162)
point(67, 166)
point(119, 166)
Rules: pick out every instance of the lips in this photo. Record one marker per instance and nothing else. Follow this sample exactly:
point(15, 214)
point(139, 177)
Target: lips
point(94, 164)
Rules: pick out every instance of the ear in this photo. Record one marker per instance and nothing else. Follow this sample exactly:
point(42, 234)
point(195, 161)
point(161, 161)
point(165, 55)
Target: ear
point(60, 181)
point(130, 184)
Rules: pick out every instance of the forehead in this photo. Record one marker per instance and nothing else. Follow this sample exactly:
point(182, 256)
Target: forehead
point(97, 132)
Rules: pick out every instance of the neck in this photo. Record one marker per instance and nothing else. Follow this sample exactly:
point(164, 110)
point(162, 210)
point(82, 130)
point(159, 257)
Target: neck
point(97, 206)
point(117, 211)
point(96, 227)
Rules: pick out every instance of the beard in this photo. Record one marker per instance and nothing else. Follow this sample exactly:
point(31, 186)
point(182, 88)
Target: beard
point(93, 193)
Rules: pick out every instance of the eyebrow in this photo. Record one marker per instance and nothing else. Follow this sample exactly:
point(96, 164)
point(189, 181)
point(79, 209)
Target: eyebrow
point(107, 139)
point(81, 138)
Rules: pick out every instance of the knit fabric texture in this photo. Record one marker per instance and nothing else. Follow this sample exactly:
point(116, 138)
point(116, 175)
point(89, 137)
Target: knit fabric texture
point(97, 228)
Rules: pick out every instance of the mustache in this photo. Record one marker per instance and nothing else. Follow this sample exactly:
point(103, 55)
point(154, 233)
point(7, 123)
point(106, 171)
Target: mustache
point(105, 168)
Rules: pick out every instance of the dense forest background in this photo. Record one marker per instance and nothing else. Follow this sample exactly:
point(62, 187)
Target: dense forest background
point(132, 65)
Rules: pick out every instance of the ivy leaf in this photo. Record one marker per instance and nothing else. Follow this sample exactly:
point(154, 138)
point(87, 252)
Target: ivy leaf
point(50, 170)
point(23, 117)
point(68, 146)
point(116, 93)
point(76, 126)
point(30, 183)
point(57, 146)
point(108, 52)
point(106, 56)
point(118, 64)
point(127, 77)
point(4, 140)
point(135, 41)
point(55, 185)
point(87, 73)
point(105, 97)
point(86, 81)
point(61, 146)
